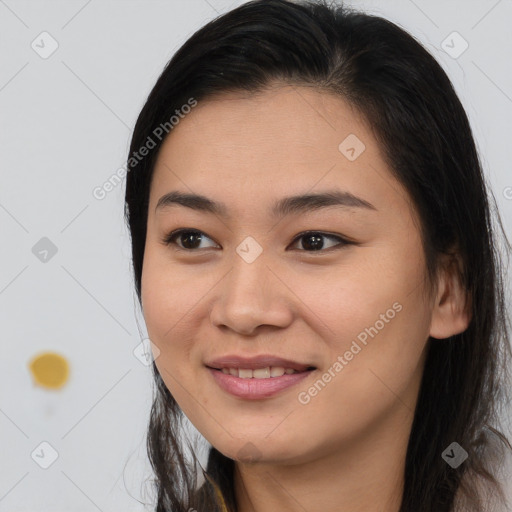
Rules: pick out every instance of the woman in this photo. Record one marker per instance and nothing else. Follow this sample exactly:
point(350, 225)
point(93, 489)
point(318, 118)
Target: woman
point(316, 263)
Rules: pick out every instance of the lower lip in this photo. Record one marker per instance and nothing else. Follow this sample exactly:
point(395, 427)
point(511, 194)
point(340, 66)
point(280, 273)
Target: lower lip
point(254, 389)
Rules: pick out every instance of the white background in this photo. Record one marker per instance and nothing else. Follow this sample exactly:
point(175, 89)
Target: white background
point(66, 123)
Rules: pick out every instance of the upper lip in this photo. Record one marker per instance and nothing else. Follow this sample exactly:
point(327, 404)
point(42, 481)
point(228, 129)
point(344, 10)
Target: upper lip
point(262, 361)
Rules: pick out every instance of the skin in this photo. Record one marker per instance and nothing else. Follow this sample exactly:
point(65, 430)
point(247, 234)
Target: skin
point(345, 449)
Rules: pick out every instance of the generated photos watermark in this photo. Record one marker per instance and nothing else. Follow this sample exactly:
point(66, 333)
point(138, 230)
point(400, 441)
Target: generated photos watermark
point(163, 129)
point(304, 397)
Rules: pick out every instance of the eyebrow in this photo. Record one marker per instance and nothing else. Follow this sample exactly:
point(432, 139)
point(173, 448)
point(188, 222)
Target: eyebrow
point(282, 207)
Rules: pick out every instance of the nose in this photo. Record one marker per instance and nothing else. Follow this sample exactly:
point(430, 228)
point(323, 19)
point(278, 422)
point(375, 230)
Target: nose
point(250, 296)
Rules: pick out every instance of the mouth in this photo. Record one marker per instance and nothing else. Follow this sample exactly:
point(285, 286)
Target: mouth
point(260, 367)
point(267, 372)
point(248, 386)
point(258, 377)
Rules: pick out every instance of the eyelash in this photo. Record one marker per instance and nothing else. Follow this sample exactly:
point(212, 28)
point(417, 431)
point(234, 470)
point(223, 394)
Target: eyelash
point(169, 240)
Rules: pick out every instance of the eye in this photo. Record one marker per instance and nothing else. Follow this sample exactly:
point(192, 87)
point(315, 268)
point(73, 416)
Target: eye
point(190, 237)
point(312, 240)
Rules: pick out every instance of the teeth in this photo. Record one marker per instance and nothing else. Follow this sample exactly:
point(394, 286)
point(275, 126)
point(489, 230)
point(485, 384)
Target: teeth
point(260, 373)
point(244, 374)
point(277, 371)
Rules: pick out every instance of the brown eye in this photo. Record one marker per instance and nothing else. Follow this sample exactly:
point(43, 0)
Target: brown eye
point(190, 239)
point(314, 241)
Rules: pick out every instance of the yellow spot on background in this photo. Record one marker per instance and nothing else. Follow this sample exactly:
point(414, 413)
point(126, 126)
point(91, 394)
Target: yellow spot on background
point(50, 370)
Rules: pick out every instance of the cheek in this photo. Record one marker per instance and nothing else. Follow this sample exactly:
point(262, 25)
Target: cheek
point(375, 314)
point(349, 297)
point(168, 294)
point(174, 310)
point(161, 311)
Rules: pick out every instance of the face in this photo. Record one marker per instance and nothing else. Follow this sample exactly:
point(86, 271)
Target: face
point(347, 298)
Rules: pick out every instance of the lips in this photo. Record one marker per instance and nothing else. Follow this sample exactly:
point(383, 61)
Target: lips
point(253, 363)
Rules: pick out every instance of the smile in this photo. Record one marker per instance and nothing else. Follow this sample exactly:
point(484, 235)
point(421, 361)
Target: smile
point(244, 384)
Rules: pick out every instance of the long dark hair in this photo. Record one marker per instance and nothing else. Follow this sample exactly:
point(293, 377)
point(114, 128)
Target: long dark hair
point(427, 141)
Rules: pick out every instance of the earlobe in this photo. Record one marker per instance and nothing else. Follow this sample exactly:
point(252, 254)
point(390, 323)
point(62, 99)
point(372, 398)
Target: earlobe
point(451, 311)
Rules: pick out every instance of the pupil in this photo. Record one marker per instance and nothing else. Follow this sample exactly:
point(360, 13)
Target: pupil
point(317, 243)
point(188, 236)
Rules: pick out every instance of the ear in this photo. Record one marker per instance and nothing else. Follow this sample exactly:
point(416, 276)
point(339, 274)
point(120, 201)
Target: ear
point(451, 312)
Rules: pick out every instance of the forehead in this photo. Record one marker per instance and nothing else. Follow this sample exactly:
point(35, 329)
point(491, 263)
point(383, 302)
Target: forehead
point(242, 148)
point(283, 121)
